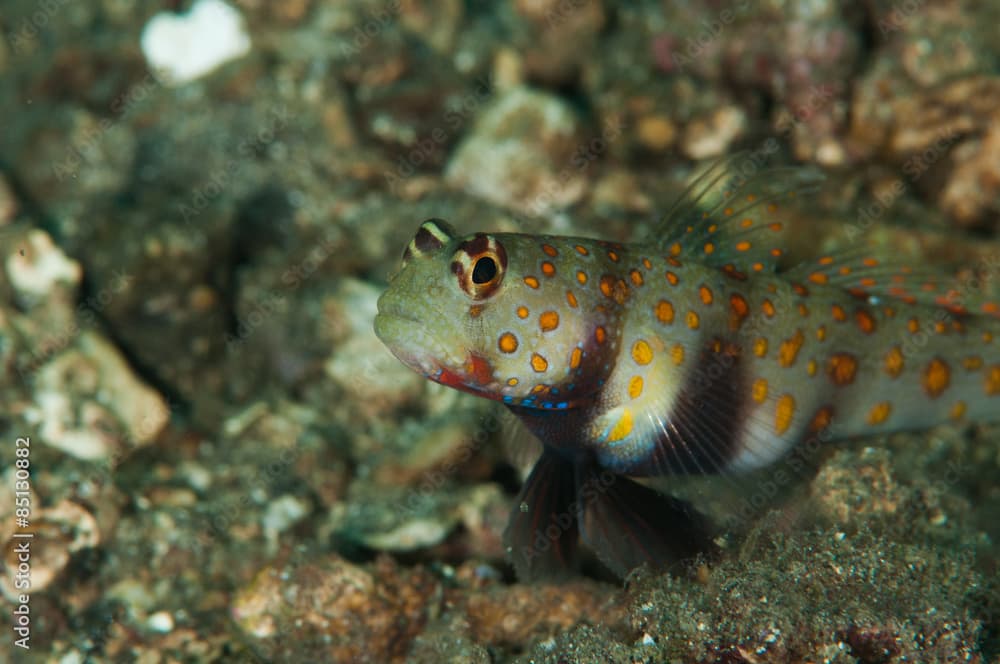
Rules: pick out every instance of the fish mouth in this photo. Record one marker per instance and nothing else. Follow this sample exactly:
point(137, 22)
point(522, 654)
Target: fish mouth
point(408, 338)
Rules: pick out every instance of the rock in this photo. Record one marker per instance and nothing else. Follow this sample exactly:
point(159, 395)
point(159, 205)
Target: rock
point(556, 36)
point(90, 404)
point(419, 519)
point(182, 48)
point(713, 136)
point(942, 139)
point(283, 513)
point(38, 265)
point(847, 492)
point(526, 151)
point(59, 532)
point(438, 23)
point(332, 610)
point(656, 132)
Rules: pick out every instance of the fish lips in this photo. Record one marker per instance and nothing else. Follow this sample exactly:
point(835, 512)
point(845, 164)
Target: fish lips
point(409, 340)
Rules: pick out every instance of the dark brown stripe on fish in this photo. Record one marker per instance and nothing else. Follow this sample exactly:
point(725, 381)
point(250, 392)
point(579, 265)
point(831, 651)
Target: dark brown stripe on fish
point(432, 235)
point(479, 243)
point(702, 433)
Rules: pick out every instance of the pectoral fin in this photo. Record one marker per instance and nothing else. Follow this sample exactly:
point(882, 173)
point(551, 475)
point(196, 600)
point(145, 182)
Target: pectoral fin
point(627, 524)
point(542, 537)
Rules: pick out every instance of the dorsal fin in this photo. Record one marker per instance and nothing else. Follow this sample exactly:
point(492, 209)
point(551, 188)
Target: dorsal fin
point(864, 275)
point(726, 217)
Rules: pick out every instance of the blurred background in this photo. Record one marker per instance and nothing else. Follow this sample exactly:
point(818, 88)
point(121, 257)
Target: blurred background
point(201, 202)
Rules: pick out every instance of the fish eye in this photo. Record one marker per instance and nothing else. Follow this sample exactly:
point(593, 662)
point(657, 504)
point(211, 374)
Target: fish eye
point(484, 270)
point(480, 264)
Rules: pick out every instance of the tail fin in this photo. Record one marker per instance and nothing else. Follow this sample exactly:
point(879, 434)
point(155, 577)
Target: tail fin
point(628, 524)
point(542, 536)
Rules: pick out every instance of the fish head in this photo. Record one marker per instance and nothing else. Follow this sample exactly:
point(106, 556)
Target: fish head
point(471, 312)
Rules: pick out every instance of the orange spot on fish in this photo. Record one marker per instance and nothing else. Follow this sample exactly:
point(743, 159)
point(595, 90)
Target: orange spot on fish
point(972, 363)
point(760, 347)
point(693, 320)
point(548, 321)
point(672, 278)
point(821, 420)
point(548, 269)
point(531, 282)
point(842, 368)
point(665, 312)
point(706, 294)
point(879, 413)
point(784, 412)
point(539, 363)
point(581, 276)
point(865, 321)
point(582, 250)
point(819, 278)
point(622, 428)
point(607, 285)
point(635, 387)
point(740, 310)
point(550, 250)
point(838, 313)
point(641, 352)
point(789, 349)
point(507, 342)
point(991, 385)
point(677, 354)
point(636, 277)
point(759, 390)
point(571, 299)
point(522, 312)
point(894, 362)
point(937, 377)
point(600, 334)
